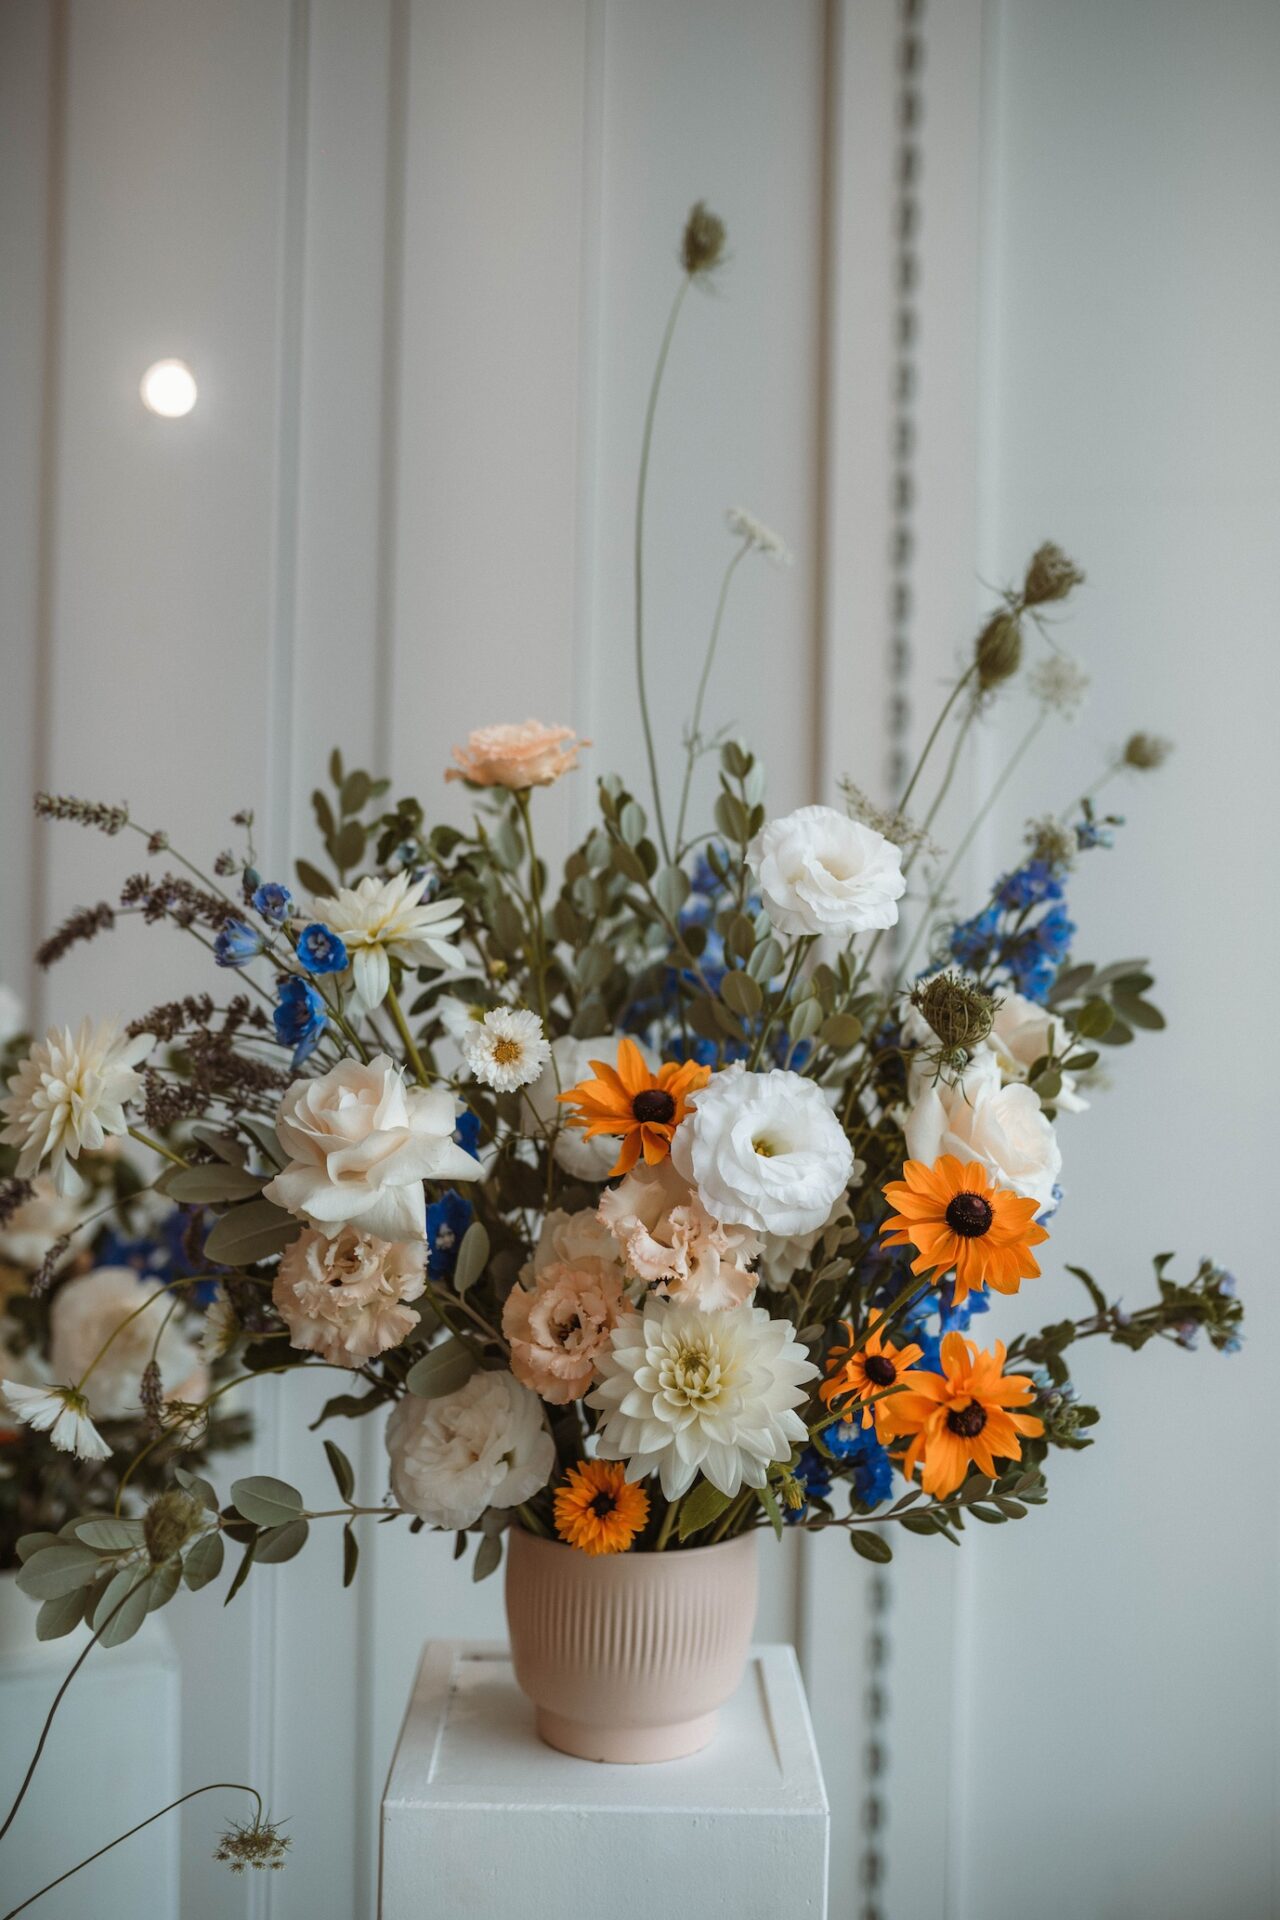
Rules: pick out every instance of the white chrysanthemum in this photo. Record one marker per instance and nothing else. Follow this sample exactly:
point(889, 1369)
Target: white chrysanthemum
point(507, 1049)
point(541, 1112)
point(69, 1093)
point(685, 1391)
point(484, 1446)
point(102, 1307)
point(821, 872)
point(764, 1150)
point(744, 526)
point(60, 1412)
point(381, 918)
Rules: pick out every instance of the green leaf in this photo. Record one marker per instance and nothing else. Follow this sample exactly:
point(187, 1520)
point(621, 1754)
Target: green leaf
point(473, 1255)
point(1091, 1286)
point(225, 1145)
point(742, 993)
point(671, 889)
point(732, 818)
point(55, 1571)
point(443, 1370)
point(1138, 1013)
point(267, 1138)
point(279, 1544)
point(488, 1557)
point(33, 1543)
point(769, 1501)
point(1093, 1020)
point(346, 849)
point(335, 767)
point(163, 1584)
point(192, 1483)
point(347, 1406)
point(872, 1546)
point(265, 1501)
point(840, 1031)
point(1011, 1509)
point(350, 1554)
point(203, 1561)
point(205, 1186)
point(62, 1615)
point(253, 1231)
point(128, 1592)
point(699, 1508)
point(341, 1468)
point(313, 880)
point(804, 1019)
point(766, 960)
point(109, 1534)
point(631, 823)
point(356, 792)
point(991, 1515)
point(242, 1571)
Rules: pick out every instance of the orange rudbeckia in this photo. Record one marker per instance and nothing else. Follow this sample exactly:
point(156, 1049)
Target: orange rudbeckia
point(866, 1369)
point(643, 1108)
point(961, 1415)
point(958, 1219)
point(597, 1511)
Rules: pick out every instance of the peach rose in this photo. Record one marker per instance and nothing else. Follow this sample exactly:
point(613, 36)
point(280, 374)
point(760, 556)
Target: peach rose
point(346, 1298)
point(558, 1327)
point(529, 755)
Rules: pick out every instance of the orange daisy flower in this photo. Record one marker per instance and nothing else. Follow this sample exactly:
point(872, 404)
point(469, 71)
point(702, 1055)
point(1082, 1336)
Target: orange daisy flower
point(961, 1415)
point(643, 1108)
point(958, 1219)
point(866, 1369)
point(597, 1510)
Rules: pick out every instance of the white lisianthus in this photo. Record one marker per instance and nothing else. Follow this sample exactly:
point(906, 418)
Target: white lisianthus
point(1022, 1033)
point(61, 1412)
point(570, 1062)
point(483, 1446)
point(70, 1093)
point(977, 1117)
point(764, 1150)
point(684, 1391)
point(361, 1141)
point(98, 1314)
point(379, 919)
point(821, 872)
point(507, 1049)
point(668, 1240)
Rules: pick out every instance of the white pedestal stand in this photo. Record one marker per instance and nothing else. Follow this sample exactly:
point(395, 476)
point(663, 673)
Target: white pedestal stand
point(481, 1820)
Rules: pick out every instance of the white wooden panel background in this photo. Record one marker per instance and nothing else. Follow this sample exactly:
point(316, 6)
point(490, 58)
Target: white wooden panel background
point(419, 254)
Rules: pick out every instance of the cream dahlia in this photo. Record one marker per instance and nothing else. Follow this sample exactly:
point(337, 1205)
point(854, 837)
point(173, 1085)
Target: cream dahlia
point(483, 1446)
point(381, 920)
point(347, 1297)
point(69, 1093)
point(685, 1392)
point(507, 1049)
point(667, 1239)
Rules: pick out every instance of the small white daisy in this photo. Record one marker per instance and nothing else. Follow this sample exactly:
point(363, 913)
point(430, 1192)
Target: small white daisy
point(62, 1413)
point(507, 1049)
point(744, 526)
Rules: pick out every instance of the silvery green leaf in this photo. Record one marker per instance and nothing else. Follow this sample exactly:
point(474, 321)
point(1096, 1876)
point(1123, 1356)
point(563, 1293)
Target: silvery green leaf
point(266, 1501)
point(110, 1534)
point(123, 1606)
point(163, 1584)
point(488, 1556)
point(742, 993)
point(631, 823)
point(804, 1019)
point(473, 1253)
point(33, 1542)
point(62, 1615)
point(207, 1186)
point(225, 1145)
point(192, 1483)
point(267, 1138)
point(253, 1231)
point(203, 1562)
point(341, 1469)
point(55, 1571)
point(282, 1543)
point(671, 889)
point(443, 1370)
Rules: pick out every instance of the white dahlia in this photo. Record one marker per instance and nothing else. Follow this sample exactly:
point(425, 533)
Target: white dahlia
point(484, 1446)
point(821, 872)
point(381, 918)
point(507, 1049)
point(69, 1093)
point(764, 1150)
point(684, 1391)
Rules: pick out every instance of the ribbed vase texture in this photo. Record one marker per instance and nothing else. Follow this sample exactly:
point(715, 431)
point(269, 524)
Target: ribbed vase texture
point(628, 1656)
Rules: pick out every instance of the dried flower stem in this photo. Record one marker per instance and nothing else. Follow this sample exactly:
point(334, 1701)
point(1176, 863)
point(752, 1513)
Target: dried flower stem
point(695, 725)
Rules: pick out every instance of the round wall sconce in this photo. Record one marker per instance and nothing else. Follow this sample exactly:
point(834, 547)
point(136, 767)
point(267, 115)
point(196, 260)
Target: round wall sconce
point(168, 388)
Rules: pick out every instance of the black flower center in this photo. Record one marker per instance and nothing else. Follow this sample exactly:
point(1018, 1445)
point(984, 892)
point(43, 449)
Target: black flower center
point(969, 1215)
point(968, 1421)
point(654, 1106)
point(880, 1369)
point(603, 1505)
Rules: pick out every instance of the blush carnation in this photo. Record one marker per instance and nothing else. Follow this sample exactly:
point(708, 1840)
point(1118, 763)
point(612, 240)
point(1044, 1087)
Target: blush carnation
point(347, 1297)
point(516, 756)
point(558, 1328)
point(667, 1239)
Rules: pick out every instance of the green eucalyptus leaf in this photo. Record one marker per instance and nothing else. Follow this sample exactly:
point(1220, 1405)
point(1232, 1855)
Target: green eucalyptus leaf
point(206, 1186)
point(203, 1560)
point(126, 1597)
point(1093, 1020)
point(350, 1554)
point(163, 1584)
point(110, 1534)
point(742, 993)
point(804, 1019)
point(356, 792)
point(267, 1138)
point(192, 1483)
point(225, 1145)
point(316, 883)
point(473, 1255)
point(33, 1542)
point(253, 1231)
point(341, 1468)
point(279, 1544)
point(265, 1501)
point(242, 1571)
point(443, 1370)
point(671, 889)
point(62, 1615)
point(58, 1570)
point(488, 1557)
point(346, 849)
point(840, 1031)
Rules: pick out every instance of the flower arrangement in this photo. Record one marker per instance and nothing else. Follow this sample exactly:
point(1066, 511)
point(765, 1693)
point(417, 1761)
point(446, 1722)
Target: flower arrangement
point(655, 1203)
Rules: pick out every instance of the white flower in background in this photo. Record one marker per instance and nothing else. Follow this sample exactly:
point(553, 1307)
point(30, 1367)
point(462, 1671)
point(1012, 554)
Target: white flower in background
point(684, 1391)
point(86, 1313)
point(346, 1297)
point(569, 1064)
point(221, 1330)
point(69, 1093)
point(821, 872)
point(361, 1142)
point(744, 526)
point(1023, 1033)
point(456, 1016)
point(13, 1015)
point(483, 1446)
point(379, 919)
point(567, 1238)
point(666, 1238)
point(32, 1228)
point(507, 1049)
point(764, 1150)
point(1059, 683)
point(979, 1118)
point(60, 1412)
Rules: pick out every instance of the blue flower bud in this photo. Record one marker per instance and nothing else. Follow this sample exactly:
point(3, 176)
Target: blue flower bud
point(236, 944)
point(320, 950)
point(273, 901)
point(300, 1017)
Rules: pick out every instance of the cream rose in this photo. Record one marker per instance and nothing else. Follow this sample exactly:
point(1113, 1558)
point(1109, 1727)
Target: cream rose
point(361, 1142)
point(559, 1326)
point(1023, 1033)
point(820, 872)
point(520, 756)
point(346, 1297)
point(483, 1446)
point(979, 1118)
point(86, 1313)
point(667, 1239)
point(764, 1150)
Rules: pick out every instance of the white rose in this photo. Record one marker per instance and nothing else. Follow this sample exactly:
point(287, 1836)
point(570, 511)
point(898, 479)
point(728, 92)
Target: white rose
point(820, 872)
point(1023, 1033)
point(360, 1143)
point(764, 1150)
point(483, 1446)
point(84, 1316)
point(570, 1062)
point(978, 1118)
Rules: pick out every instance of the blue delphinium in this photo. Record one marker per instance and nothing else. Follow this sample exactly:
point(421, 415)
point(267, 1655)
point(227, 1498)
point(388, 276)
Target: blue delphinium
point(953, 1318)
point(851, 1442)
point(236, 944)
point(300, 1017)
point(1001, 942)
point(1029, 886)
point(814, 1476)
point(273, 901)
point(467, 1132)
point(321, 950)
point(447, 1220)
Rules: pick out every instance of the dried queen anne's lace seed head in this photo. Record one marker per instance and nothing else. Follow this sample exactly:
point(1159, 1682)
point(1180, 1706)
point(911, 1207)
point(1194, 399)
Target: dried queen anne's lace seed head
point(744, 526)
point(959, 1011)
point(702, 246)
point(1146, 751)
point(997, 653)
point(260, 1844)
point(1050, 576)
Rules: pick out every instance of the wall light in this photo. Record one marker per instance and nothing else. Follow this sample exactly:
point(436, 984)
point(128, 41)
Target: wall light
point(169, 388)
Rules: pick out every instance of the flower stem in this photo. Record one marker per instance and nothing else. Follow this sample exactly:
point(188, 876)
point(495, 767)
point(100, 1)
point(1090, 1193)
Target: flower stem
point(535, 909)
point(166, 1153)
point(407, 1039)
point(695, 724)
point(668, 1523)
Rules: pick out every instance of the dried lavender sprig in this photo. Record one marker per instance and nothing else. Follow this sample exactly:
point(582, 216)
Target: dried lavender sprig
point(14, 1193)
point(83, 924)
point(86, 813)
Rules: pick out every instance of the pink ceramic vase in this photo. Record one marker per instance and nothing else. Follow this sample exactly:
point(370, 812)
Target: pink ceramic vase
point(628, 1656)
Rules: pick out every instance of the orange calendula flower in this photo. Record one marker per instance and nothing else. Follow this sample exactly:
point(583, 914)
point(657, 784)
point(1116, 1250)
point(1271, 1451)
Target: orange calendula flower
point(865, 1369)
point(597, 1510)
point(957, 1219)
point(643, 1108)
point(961, 1415)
